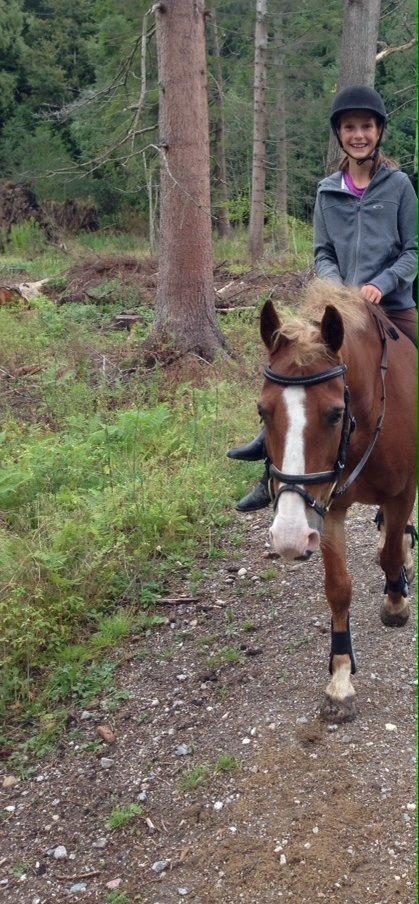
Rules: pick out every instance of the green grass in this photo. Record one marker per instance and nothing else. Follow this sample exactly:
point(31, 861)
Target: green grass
point(202, 775)
point(106, 480)
point(118, 897)
point(121, 817)
point(270, 574)
point(226, 656)
point(225, 763)
point(196, 777)
point(297, 644)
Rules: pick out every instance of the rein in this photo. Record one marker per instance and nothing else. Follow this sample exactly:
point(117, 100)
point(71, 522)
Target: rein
point(292, 482)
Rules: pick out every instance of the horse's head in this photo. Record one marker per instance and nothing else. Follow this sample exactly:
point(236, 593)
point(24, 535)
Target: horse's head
point(304, 422)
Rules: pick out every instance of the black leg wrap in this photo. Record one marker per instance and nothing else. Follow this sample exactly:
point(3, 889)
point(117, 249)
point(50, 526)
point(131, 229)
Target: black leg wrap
point(342, 645)
point(399, 586)
point(410, 529)
point(379, 519)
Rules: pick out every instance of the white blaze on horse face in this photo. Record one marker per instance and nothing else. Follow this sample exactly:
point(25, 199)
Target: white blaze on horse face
point(290, 529)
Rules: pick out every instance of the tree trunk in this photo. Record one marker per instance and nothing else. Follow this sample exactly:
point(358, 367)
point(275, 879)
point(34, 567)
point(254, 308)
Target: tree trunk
point(220, 205)
point(281, 140)
point(185, 304)
point(257, 209)
point(358, 54)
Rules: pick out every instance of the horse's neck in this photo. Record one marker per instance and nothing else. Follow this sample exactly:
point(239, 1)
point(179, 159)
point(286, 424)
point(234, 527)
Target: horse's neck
point(362, 353)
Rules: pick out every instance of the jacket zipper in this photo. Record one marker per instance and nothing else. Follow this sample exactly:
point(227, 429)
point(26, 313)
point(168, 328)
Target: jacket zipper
point(358, 241)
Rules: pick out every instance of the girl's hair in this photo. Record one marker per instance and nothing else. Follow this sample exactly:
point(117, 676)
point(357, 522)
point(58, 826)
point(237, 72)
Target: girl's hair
point(381, 160)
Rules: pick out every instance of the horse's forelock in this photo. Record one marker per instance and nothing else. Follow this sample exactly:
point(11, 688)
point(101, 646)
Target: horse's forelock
point(305, 344)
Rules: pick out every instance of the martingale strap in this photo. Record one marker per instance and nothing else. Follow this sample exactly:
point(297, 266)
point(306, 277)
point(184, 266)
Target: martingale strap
point(341, 645)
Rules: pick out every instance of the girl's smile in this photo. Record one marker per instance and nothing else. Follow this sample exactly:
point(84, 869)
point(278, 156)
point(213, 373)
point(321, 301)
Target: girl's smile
point(359, 133)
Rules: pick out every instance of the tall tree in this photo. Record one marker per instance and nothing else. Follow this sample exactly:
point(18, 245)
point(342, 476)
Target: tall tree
point(257, 209)
point(281, 137)
point(220, 194)
point(185, 306)
point(358, 53)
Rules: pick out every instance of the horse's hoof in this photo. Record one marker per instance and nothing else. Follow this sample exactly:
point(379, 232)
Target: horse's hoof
point(394, 619)
point(337, 711)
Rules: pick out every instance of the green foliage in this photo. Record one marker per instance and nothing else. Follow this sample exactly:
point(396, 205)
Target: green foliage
point(226, 656)
point(117, 897)
point(102, 489)
point(195, 778)
point(27, 238)
point(201, 775)
point(120, 818)
point(84, 57)
point(226, 763)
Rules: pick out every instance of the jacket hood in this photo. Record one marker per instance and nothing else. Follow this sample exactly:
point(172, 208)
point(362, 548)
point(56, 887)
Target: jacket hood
point(333, 182)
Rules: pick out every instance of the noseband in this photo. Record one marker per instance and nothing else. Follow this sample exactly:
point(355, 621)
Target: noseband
point(292, 482)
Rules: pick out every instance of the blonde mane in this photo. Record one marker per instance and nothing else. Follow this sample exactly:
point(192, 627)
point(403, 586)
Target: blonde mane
point(304, 329)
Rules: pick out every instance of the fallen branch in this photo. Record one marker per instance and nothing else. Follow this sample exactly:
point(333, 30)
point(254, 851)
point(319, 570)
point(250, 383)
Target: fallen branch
point(91, 875)
point(243, 307)
point(177, 600)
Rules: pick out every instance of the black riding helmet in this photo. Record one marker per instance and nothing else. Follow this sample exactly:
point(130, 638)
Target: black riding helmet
point(359, 97)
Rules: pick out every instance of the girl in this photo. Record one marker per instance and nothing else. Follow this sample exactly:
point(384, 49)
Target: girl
point(364, 230)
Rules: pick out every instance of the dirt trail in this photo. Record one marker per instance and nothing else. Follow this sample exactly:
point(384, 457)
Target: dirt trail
point(311, 812)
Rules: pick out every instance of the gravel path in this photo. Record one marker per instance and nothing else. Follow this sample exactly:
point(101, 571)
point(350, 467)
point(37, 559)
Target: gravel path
point(245, 794)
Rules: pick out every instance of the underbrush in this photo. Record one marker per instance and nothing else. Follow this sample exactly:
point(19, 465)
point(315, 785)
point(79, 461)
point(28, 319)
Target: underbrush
point(108, 489)
point(112, 480)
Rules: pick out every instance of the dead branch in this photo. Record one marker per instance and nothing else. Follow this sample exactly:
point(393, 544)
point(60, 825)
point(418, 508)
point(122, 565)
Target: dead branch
point(90, 875)
point(243, 307)
point(177, 601)
point(141, 98)
point(388, 50)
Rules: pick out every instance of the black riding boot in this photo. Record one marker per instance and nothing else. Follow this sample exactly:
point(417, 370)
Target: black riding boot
point(254, 451)
point(258, 498)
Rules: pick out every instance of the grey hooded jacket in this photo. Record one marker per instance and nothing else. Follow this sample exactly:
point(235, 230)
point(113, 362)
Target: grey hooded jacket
point(372, 239)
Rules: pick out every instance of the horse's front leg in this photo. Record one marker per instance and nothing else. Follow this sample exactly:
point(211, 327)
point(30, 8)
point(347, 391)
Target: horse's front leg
point(395, 608)
point(339, 704)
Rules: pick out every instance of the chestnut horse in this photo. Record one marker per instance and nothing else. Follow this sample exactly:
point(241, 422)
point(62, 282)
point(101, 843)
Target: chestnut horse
point(339, 409)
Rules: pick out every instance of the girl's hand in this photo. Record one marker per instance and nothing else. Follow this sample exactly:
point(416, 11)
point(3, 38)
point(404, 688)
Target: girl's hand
point(371, 293)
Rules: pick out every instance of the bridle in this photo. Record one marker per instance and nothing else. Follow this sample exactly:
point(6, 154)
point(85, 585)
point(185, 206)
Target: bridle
point(292, 482)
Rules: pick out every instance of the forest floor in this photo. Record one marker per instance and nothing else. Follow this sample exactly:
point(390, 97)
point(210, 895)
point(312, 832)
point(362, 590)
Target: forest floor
point(216, 782)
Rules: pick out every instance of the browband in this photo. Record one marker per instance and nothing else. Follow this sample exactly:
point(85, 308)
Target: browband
point(309, 380)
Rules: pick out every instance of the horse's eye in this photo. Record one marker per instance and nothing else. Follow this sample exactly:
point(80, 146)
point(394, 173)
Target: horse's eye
point(334, 416)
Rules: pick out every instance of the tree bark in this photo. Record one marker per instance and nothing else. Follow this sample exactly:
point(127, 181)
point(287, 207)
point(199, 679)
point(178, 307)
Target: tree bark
point(358, 54)
point(257, 209)
point(185, 304)
point(281, 140)
point(221, 187)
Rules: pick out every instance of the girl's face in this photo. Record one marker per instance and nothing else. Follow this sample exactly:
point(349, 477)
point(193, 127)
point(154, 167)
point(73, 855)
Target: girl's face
point(359, 133)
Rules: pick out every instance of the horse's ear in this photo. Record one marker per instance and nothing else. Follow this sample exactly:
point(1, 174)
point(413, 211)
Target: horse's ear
point(270, 324)
point(331, 328)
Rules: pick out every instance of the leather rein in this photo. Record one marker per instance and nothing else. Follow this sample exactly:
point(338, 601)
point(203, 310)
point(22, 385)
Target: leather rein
point(292, 482)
